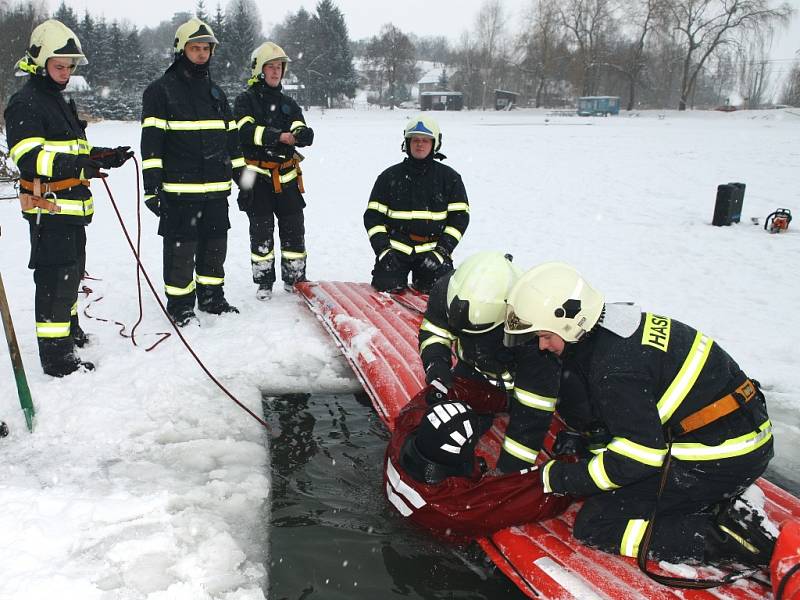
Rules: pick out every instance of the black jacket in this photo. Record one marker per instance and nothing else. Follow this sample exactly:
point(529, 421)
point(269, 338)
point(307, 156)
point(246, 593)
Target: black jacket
point(531, 374)
point(638, 388)
point(420, 198)
point(262, 114)
point(190, 143)
point(45, 138)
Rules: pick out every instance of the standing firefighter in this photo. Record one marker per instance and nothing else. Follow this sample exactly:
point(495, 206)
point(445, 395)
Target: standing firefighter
point(271, 125)
point(190, 150)
point(664, 402)
point(48, 144)
point(465, 314)
point(417, 213)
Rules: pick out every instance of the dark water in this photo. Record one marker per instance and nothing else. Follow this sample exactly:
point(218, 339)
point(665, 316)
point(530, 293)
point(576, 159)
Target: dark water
point(332, 535)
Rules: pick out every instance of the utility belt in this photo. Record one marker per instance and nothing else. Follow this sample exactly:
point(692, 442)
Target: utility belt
point(43, 195)
point(275, 171)
point(718, 409)
point(422, 238)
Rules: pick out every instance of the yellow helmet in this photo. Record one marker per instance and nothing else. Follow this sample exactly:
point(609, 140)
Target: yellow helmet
point(477, 292)
point(194, 30)
point(426, 127)
point(266, 52)
point(51, 39)
point(552, 297)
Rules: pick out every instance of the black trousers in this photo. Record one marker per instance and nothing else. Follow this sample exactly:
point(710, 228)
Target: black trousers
point(684, 509)
point(384, 279)
point(287, 206)
point(184, 258)
point(58, 259)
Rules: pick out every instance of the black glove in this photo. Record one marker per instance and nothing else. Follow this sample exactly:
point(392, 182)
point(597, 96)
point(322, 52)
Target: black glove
point(245, 199)
point(89, 167)
point(571, 443)
point(389, 262)
point(440, 378)
point(111, 158)
point(153, 204)
point(431, 262)
point(303, 136)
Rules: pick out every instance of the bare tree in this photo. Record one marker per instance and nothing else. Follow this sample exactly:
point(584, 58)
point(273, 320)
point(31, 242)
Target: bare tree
point(490, 40)
point(704, 26)
point(392, 56)
point(588, 23)
point(755, 72)
point(543, 47)
point(791, 89)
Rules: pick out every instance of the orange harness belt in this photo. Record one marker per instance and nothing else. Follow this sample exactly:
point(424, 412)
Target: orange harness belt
point(275, 170)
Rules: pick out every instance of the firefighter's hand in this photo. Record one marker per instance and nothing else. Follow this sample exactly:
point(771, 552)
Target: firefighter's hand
point(287, 138)
point(303, 136)
point(440, 378)
point(571, 443)
point(153, 203)
point(89, 167)
point(431, 262)
point(114, 157)
point(244, 199)
point(437, 392)
point(389, 262)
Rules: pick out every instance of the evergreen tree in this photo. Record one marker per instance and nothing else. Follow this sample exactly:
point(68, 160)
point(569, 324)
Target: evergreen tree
point(102, 54)
point(86, 32)
point(294, 36)
point(200, 11)
point(243, 29)
point(332, 70)
point(67, 16)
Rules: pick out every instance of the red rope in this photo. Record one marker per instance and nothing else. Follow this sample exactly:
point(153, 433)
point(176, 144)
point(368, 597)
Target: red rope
point(141, 269)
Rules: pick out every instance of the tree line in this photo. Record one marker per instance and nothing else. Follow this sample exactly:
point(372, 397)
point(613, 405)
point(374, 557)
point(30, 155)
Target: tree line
point(651, 53)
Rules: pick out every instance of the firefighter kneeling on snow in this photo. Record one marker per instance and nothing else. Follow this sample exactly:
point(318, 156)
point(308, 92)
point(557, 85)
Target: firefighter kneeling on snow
point(660, 399)
point(417, 213)
point(48, 143)
point(433, 477)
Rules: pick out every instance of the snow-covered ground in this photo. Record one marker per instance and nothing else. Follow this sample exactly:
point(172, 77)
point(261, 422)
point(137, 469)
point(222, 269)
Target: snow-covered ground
point(142, 480)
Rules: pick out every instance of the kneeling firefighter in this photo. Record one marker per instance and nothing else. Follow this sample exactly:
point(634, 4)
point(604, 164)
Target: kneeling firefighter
point(465, 313)
point(433, 477)
point(271, 126)
point(417, 213)
point(48, 143)
point(684, 430)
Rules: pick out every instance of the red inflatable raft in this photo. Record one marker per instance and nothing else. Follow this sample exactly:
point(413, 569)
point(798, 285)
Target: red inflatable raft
point(377, 333)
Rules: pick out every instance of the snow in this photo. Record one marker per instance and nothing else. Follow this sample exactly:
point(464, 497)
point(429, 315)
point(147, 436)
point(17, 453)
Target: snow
point(143, 480)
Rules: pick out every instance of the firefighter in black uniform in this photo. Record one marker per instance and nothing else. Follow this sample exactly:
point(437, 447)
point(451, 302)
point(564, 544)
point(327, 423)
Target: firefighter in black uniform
point(417, 212)
point(466, 309)
point(271, 126)
point(190, 151)
point(48, 143)
point(662, 400)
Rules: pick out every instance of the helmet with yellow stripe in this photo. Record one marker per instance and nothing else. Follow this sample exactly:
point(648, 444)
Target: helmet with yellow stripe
point(194, 30)
point(552, 297)
point(51, 39)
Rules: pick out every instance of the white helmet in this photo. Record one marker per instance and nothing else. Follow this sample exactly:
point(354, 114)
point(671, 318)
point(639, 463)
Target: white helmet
point(477, 292)
point(194, 30)
point(552, 297)
point(426, 127)
point(51, 39)
point(266, 52)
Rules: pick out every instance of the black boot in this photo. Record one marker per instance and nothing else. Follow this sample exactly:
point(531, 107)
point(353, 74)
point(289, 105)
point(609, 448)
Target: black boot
point(738, 535)
point(183, 315)
point(79, 336)
point(59, 359)
point(211, 299)
point(264, 291)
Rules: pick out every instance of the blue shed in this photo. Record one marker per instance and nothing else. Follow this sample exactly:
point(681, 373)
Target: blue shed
point(598, 106)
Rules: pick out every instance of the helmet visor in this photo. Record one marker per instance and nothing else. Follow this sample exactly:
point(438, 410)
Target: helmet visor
point(517, 330)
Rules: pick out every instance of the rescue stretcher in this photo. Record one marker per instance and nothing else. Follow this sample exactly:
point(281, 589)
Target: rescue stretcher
point(377, 333)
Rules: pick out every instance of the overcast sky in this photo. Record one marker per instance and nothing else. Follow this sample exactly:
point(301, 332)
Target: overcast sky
point(364, 17)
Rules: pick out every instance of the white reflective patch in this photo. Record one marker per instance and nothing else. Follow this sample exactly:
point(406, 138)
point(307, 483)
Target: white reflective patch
point(398, 503)
point(452, 409)
point(442, 413)
point(573, 584)
point(434, 420)
point(461, 408)
point(458, 438)
point(402, 487)
point(468, 429)
point(450, 449)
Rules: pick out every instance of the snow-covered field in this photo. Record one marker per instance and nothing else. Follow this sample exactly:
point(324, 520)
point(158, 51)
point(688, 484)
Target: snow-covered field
point(142, 480)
